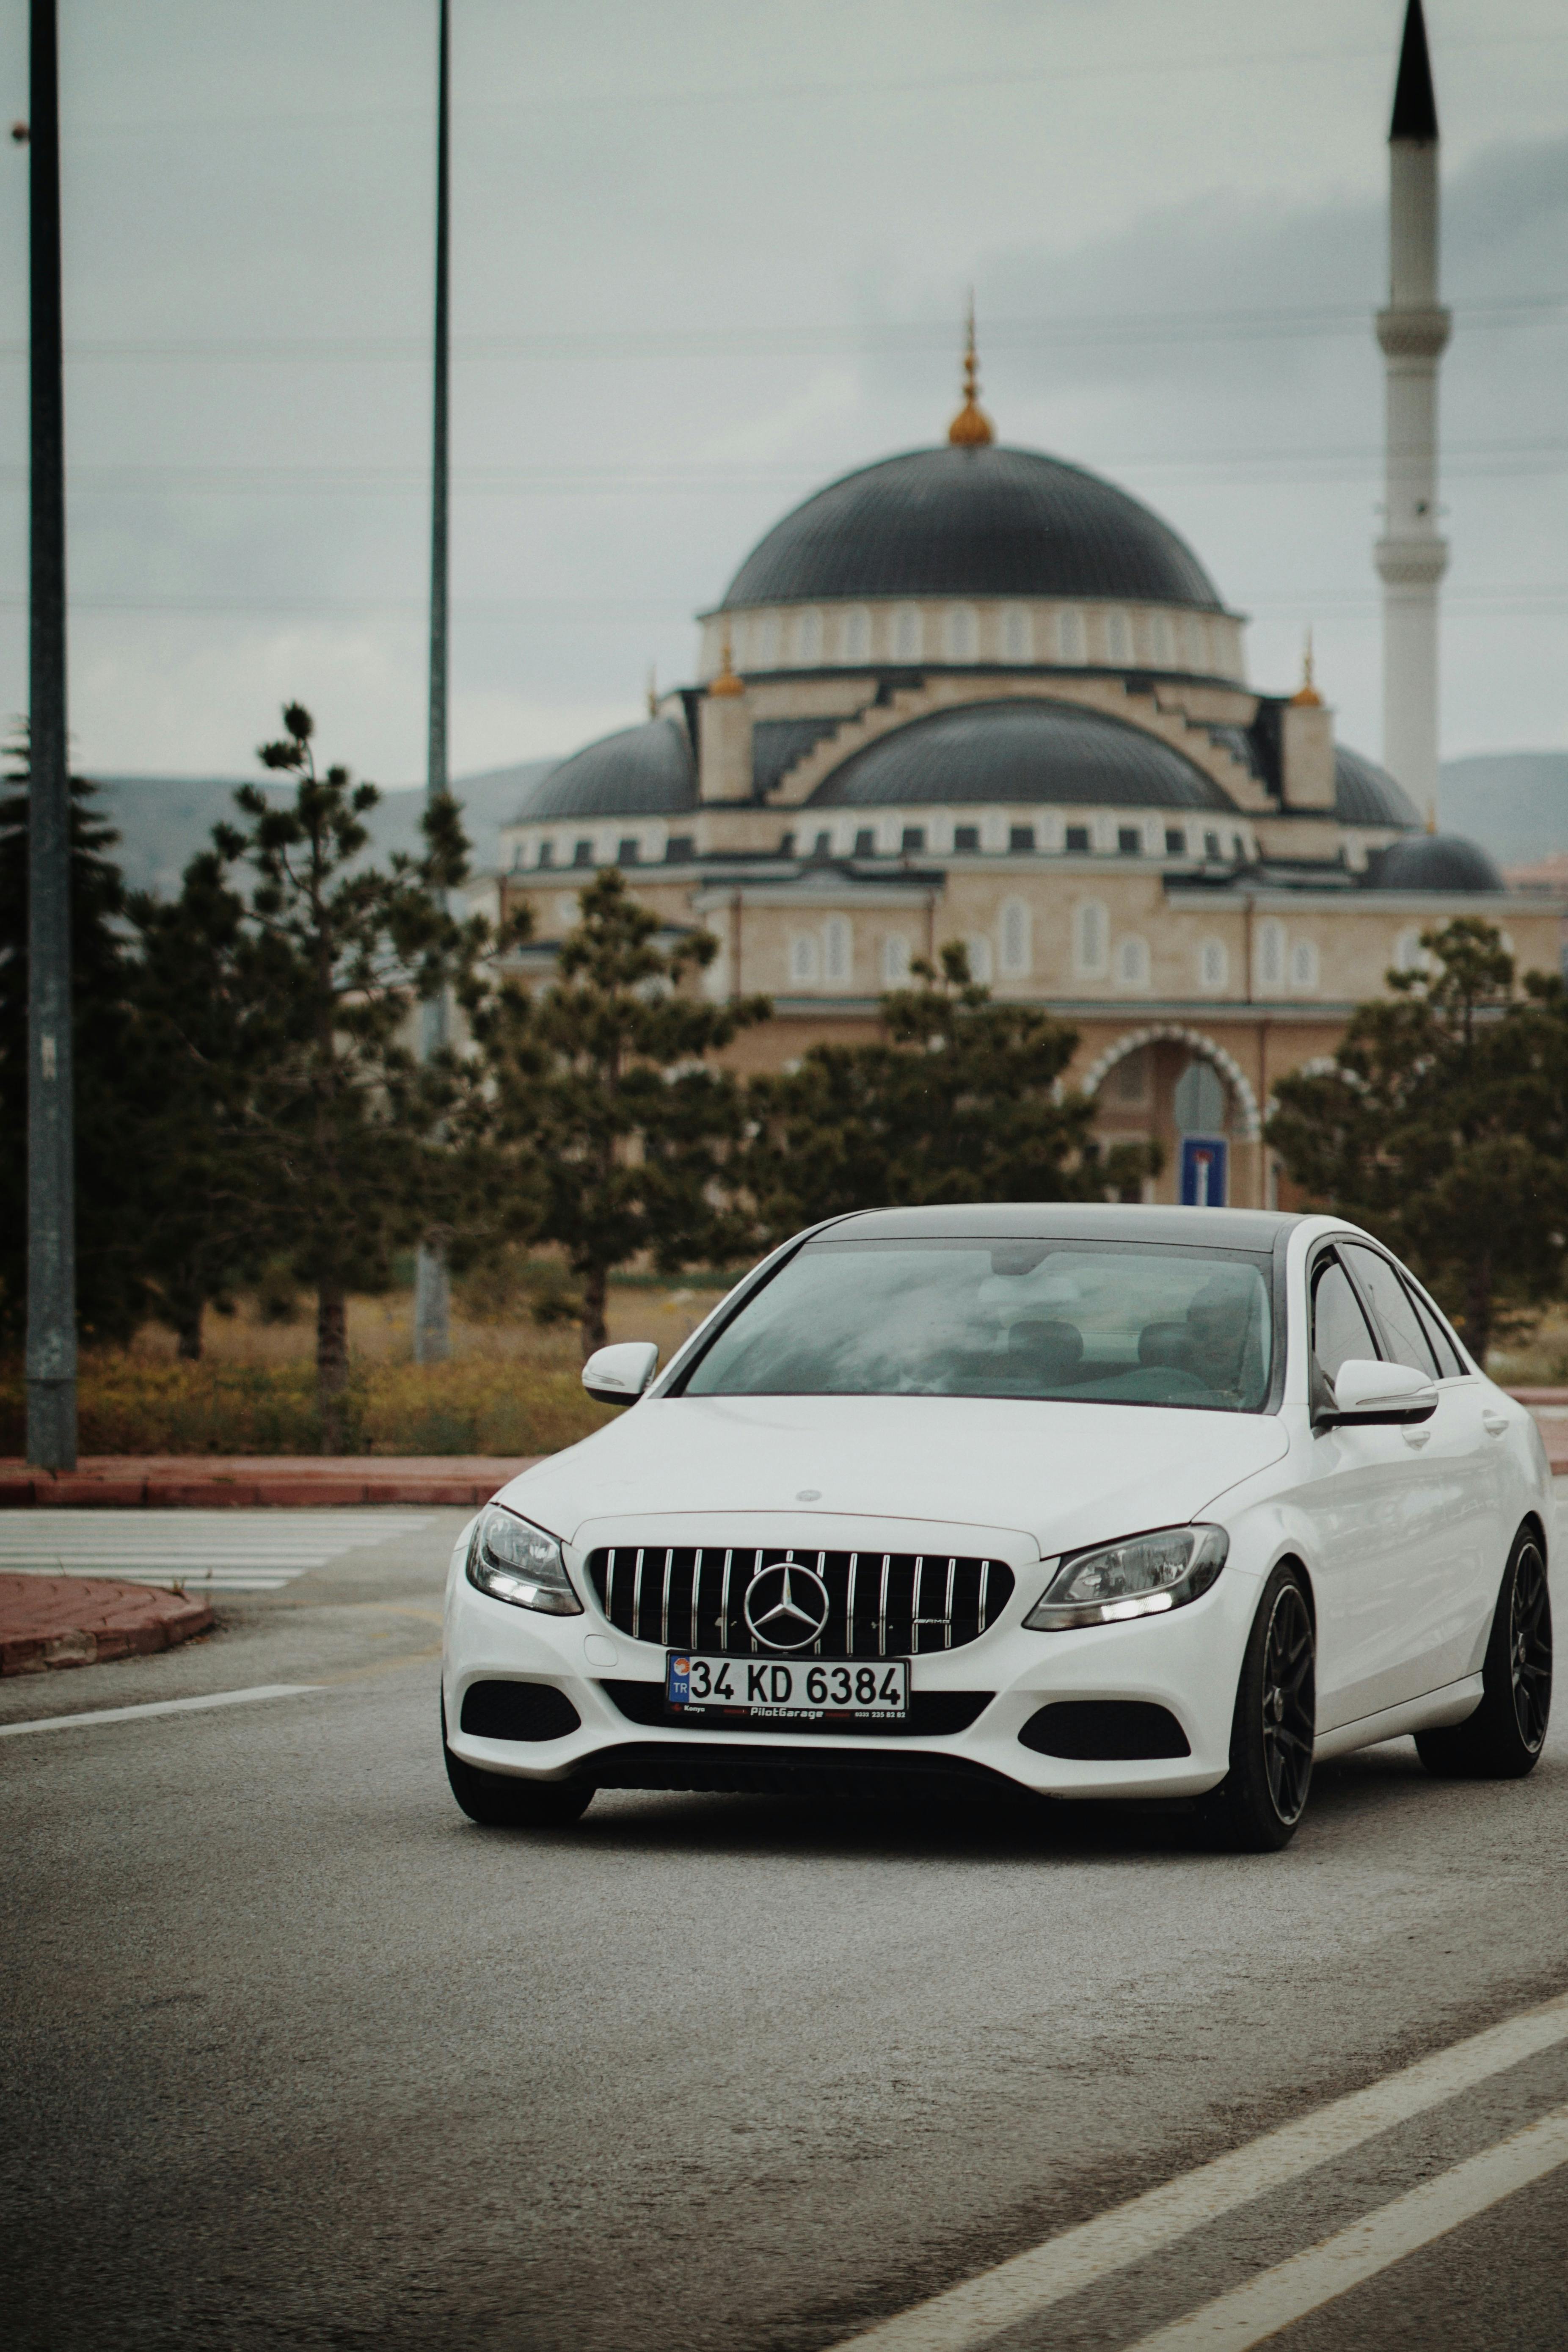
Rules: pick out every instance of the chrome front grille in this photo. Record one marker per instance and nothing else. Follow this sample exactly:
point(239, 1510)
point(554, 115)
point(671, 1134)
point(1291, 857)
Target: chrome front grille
point(882, 1604)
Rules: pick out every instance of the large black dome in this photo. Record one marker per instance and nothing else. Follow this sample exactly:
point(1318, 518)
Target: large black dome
point(1019, 752)
point(1433, 861)
point(972, 522)
point(1365, 794)
point(646, 770)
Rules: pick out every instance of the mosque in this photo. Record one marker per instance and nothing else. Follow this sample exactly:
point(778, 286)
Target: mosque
point(974, 692)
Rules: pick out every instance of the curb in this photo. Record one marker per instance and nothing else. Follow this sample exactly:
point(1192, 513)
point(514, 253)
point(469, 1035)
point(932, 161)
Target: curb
point(237, 1481)
point(67, 1621)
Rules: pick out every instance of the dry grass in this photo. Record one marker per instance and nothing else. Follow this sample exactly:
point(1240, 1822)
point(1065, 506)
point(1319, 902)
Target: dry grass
point(510, 1388)
point(1535, 1358)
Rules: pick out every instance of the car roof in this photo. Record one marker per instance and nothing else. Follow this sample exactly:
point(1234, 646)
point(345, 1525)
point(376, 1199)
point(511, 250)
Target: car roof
point(1089, 1221)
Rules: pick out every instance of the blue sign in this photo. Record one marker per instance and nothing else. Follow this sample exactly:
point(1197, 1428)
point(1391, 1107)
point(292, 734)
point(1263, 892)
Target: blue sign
point(1204, 1171)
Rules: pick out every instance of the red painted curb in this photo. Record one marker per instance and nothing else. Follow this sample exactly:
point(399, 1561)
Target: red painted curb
point(74, 1620)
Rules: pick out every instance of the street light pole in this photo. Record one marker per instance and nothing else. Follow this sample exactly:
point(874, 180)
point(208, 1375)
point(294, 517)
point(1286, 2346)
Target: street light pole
point(51, 1191)
point(432, 1286)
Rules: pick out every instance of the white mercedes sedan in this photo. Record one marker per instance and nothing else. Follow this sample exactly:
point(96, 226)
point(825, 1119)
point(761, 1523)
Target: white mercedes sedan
point(1136, 1503)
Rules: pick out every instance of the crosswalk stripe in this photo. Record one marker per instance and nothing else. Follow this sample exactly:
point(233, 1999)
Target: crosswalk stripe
point(220, 1551)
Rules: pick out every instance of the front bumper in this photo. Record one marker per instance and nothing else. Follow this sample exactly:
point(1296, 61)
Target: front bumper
point(1187, 1663)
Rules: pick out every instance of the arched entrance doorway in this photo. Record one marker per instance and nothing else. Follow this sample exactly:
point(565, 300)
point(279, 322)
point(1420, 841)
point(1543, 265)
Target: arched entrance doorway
point(1174, 1086)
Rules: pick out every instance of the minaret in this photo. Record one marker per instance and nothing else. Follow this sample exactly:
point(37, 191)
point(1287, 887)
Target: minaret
point(1412, 555)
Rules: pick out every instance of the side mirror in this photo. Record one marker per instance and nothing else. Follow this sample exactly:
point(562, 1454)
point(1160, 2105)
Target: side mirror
point(1368, 1395)
point(618, 1375)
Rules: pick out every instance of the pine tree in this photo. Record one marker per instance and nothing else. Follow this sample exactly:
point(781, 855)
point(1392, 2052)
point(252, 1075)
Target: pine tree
point(1443, 1127)
point(304, 1129)
point(607, 1101)
point(960, 1099)
point(109, 1292)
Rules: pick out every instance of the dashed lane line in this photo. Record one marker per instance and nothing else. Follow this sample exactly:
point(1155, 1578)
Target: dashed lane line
point(970, 2315)
point(1250, 2314)
point(89, 1716)
point(205, 1551)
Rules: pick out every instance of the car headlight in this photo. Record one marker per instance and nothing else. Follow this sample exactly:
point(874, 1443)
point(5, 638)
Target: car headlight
point(512, 1560)
point(1142, 1577)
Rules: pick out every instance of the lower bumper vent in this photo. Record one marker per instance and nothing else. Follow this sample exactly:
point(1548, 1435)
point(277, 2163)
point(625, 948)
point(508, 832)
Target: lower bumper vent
point(518, 1711)
point(1104, 1731)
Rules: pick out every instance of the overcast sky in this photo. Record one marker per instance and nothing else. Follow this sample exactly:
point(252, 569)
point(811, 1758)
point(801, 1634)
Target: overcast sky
point(706, 257)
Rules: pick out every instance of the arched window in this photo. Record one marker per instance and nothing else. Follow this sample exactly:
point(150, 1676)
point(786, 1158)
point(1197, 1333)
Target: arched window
point(767, 641)
point(908, 635)
point(960, 633)
point(1129, 1079)
point(1202, 1103)
point(1409, 955)
point(1164, 642)
point(979, 953)
point(855, 634)
point(1070, 640)
point(1271, 953)
point(1197, 643)
point(837, 948)
point(808, 637)
point(1213, 965)
point(895, 959)
point(1092, 934)
point(1304, 967)
point(1118, 638)
point(803, 959)
point(1133, 962)
point(1017, 633)
point(1017, 955)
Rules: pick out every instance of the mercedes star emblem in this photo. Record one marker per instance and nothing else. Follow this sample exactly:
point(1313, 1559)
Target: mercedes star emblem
point(787, 1605)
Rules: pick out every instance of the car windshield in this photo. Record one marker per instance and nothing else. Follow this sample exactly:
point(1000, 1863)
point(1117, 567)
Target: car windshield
point(1120, 1323)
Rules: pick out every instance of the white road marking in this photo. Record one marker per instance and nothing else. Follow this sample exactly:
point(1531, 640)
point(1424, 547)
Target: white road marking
point(206, 1551)
point(972, 2314)
point(1321, 2274)
point(155, 1706)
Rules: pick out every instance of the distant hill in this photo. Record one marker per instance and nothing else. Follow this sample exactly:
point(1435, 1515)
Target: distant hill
point(1515, 804)
point(163, 821)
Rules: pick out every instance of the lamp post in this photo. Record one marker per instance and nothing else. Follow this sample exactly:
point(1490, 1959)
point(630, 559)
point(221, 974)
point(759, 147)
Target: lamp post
point(432, 1286)
point(51, 1192)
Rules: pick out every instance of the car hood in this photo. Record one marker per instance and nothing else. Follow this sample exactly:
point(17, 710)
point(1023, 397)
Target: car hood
point(1060, 1474)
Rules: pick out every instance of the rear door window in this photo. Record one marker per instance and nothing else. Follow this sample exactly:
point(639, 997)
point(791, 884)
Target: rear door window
point(1404, 1336)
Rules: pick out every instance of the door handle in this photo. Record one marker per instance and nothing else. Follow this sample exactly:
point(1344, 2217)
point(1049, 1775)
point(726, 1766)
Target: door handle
point(1494, 1424)
point(1416, 1438)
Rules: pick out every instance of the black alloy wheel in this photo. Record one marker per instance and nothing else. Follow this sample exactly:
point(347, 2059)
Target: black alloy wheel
point(1504, 1738)
point(498, 1801)
point(1257, 1805)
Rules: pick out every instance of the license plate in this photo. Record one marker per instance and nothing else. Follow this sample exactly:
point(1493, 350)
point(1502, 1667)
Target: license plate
point(799, 1690)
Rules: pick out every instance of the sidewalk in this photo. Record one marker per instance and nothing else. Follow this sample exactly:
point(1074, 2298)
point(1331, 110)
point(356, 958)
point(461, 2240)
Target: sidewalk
point(292, 1481)
point(65, 1621)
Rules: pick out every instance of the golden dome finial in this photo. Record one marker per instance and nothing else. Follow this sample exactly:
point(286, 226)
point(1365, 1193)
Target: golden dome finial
point(652, 690)
point(726, 682)
point(1306, 696)
point(971, 429)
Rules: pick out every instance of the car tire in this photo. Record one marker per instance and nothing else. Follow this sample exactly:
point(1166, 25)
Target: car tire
point(1504, 1738)
point(1258, 1804)
point(497, 1801)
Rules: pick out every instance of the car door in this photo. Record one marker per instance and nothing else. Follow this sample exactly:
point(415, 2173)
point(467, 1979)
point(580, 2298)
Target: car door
point(1367, 1499)
point(1463, 1461)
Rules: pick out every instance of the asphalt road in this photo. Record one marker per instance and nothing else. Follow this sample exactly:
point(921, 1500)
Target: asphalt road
point(294, 2056)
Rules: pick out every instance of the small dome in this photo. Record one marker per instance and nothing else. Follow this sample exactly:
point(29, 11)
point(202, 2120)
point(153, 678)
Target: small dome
point(1433, 861)
point(971, 521)
point(646, 770)
point(1365, 794)
point(1019, 752)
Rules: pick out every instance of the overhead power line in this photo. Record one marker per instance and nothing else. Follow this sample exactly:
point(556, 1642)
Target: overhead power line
point(809, 342)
